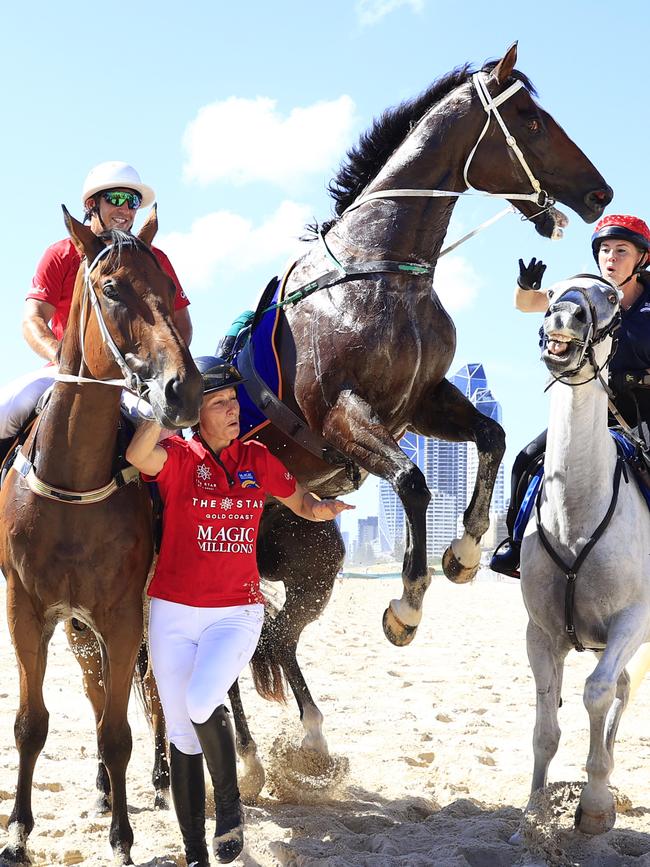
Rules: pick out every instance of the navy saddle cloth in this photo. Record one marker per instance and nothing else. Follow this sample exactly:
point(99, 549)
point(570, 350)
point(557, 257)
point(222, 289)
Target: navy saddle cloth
point(626, 449)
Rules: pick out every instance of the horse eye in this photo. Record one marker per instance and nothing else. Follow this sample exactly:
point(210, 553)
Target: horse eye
point(110, 291)
point(534, 125)
point(612, 297)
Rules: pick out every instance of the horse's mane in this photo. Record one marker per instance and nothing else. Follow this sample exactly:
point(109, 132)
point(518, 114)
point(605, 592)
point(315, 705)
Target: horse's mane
point(364, 161)
point(119, 240)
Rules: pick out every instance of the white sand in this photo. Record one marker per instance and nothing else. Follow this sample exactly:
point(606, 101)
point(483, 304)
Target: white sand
point(430, 745)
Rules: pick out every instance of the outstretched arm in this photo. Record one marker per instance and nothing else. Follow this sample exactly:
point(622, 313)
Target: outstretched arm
point(309, 506)
point(529, 295)
point(143, 452)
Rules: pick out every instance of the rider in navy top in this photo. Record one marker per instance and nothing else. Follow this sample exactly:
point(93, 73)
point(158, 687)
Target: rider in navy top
point(621, 247)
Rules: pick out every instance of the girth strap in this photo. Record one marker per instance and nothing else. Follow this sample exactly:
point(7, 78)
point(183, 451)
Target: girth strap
point(285, 419)
point(25, 468)
point(571, 572)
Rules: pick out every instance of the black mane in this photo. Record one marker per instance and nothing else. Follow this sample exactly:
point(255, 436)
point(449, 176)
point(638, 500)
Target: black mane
point(118, 240)
point(364, 161)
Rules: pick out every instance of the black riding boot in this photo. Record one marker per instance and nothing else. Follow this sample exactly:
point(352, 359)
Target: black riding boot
point(188, 792)
point(218, 745)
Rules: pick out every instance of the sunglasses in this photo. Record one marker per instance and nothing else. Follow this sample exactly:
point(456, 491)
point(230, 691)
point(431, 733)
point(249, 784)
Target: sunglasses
point(118, 197)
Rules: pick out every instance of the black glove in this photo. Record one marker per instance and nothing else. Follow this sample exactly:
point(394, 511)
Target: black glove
point(621, 381)
point(530, 275)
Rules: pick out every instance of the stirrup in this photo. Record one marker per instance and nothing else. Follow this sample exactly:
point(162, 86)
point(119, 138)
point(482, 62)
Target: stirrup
point(506, 562)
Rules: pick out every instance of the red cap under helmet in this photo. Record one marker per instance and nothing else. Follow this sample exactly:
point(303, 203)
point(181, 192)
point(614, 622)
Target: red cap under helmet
point(622, 227)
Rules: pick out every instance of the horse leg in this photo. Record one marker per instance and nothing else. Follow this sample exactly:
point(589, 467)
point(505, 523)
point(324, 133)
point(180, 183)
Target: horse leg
point(623, 695)
point(156, 719)
point(547, 665)
point(284, 554)
point(596, 812)
point(449, 415)
point(122, 638)
point(85, 649)
point(354, 429)
point(30, 636)
point(251, 782)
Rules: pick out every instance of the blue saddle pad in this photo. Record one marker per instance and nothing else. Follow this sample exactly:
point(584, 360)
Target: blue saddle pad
point(626, 449)
point(267, 364)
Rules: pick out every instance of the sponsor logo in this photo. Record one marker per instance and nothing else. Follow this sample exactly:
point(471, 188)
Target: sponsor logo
point(203, 472)
point(247, 479)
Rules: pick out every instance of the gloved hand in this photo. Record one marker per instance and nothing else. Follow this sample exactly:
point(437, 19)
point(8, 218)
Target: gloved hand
point(621, 381)
point(530, 275)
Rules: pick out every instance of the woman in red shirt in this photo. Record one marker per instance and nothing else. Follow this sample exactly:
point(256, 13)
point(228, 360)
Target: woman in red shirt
point(206, 608)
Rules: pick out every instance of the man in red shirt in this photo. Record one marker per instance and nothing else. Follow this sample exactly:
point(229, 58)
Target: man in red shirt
point(206, 608)
point(111, 196)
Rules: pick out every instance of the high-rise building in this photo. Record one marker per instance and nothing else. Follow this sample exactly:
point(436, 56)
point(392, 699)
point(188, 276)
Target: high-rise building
point(450, 471)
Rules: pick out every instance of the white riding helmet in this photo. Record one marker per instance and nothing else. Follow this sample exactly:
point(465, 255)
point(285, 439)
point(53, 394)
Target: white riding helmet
point(116, 175)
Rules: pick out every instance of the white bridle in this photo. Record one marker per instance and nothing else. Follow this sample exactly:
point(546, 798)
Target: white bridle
point(132, 381)
point(490, 105)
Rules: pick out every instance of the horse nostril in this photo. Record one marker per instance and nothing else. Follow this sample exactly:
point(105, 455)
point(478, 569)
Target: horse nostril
point(599, 198)
point(173, 390)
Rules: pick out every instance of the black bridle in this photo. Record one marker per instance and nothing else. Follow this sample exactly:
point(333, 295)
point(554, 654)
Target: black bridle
point(592, 339)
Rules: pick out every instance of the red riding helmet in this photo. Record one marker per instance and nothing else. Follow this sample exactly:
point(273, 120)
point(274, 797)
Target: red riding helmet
point(622, 227)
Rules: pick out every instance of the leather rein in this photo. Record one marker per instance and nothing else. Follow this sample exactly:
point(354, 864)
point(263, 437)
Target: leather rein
point(571, 570)
point(132, 382)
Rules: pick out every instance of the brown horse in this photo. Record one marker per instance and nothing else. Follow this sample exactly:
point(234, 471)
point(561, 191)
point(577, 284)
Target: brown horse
point(73, 542)
point(364, 359)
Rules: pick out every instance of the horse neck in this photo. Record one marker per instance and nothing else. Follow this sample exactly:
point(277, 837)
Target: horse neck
point(431, 157)
point(579, 462)
point(77, 435)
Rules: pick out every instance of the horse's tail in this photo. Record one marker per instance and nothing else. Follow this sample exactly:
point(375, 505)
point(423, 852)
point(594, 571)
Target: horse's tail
point(268, 676)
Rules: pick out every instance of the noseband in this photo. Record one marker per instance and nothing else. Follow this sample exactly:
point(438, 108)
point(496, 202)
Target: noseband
point(132, 381)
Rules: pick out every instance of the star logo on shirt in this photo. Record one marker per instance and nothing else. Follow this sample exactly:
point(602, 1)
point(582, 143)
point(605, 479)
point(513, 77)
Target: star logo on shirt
point(226, 503)
point(203, 472)
point(288, 476)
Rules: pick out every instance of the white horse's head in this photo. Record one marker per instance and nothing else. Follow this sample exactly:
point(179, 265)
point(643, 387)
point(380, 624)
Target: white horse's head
point(577, 332)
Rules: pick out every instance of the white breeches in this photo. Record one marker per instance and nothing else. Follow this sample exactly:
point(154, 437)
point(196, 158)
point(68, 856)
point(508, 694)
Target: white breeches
point(19, 397)
point(197, 654)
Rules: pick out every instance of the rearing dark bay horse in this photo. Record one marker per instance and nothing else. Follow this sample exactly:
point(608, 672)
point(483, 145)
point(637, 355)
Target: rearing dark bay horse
point(73, 540)
point(364, 358)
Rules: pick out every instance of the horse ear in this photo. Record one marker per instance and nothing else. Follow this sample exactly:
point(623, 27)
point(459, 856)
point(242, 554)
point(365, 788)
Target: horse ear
point(148, 231)
point(83, 237)
point(503, 70)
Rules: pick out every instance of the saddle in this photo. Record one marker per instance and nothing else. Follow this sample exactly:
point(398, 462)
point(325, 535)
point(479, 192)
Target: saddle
point(255, 355)
point(635, 458)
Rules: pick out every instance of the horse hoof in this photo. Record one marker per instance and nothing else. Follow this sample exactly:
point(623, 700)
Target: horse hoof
point(252, 781)
point(161, 801)
point(15, 855)
point(595, 822)
point(396, 632)
point(454, 569)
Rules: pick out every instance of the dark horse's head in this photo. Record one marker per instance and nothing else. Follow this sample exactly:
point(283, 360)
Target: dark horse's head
point(449, 148)
point(122, 322)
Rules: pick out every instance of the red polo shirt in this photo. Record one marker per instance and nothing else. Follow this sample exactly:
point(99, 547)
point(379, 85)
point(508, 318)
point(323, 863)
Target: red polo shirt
point(208, 553)
point(57, 271)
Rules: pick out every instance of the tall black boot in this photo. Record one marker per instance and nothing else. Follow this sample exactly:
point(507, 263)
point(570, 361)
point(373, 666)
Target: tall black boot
point(188, 792)
point(218, 745)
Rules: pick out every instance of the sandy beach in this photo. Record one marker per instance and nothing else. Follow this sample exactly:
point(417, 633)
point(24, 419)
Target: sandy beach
point(430, 748)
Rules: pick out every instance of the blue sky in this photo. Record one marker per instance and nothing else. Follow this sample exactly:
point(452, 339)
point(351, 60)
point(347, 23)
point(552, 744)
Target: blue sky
point(239, 114)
